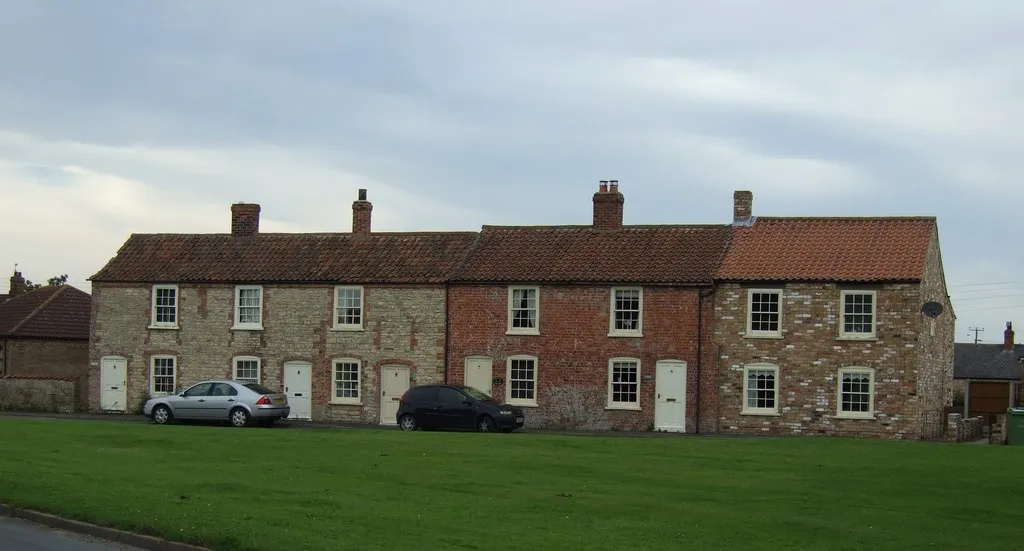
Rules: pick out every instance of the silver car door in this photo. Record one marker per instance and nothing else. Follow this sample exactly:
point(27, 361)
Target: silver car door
point(191, 404)
point(222, 397)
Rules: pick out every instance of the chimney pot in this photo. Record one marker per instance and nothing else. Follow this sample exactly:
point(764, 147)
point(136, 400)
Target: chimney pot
point(608, 208)
point(361, 211)
point(603, 186)
point(613, 186)
point(1008, 337)
point(245, 219)
point(742, 206)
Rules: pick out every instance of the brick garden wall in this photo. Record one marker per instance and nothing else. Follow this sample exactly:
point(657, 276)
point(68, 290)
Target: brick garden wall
point(49, 358)
point(573, 350)
point(809, 355)
point(403, 325)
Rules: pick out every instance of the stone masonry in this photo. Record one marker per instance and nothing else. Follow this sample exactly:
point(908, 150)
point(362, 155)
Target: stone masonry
point(49, 358)
point(913, 367)
point(403, 325)
point(573, 350)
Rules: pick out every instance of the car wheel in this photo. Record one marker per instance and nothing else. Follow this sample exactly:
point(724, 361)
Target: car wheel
point(162, 415)
point(407, 422)
point(485, 424)
point(239, 417)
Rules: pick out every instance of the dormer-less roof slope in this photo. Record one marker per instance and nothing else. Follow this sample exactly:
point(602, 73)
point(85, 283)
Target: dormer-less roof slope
point(666, 254)
point(839, 249)
point(52, 312)
point(288, 258)
point(987, 361)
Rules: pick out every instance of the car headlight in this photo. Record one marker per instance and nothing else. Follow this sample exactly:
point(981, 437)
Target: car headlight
point(504, 412)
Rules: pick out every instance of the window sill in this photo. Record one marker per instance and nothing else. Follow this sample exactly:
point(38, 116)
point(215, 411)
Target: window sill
point(344, 403)
point(625, 334)
point(761, 413)
point(247, 328)
point(526, 333)
point(347, 329)
point(623, 408)
point(850, 338)
point(769, 336)
point(861, 416)
point(166, 327)
point(523, 404)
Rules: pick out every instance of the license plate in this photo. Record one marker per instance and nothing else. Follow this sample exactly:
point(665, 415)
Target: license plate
point(519, 419)
point(279, 400)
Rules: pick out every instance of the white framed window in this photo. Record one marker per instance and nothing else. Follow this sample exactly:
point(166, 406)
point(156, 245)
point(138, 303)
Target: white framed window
point(162, 375)
point(248, 307)
point(246, 369)
point(760, 389)
point(859, 314)
point(348, 308)
point(764, 312)
point(524, 310)
point(521, 389)
point(627, 305)
point(165, 307)
point(346, 374)
point(856, 393)
point(624, 383)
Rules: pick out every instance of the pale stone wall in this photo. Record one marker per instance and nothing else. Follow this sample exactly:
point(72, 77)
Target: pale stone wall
point(810, 354)
point(403, 325)
point(38, 394)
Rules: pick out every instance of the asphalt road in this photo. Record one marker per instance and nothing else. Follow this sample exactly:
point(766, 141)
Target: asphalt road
point(21, 535)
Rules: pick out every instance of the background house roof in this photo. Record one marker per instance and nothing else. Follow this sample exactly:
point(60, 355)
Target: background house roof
point(987, 361)
point(288, 257)
point(829, 249)
point(580, 254)
point(55, 312)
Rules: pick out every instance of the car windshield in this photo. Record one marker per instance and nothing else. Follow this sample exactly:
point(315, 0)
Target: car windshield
point(258, 388)
point(476, 394)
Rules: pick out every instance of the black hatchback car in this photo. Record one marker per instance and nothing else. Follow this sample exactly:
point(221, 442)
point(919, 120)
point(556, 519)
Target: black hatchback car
point(455, 407)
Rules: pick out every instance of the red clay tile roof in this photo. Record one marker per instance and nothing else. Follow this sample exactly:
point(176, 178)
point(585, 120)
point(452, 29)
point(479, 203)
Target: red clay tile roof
point(288, 257)
point(54, 312)
point(829, 249)
point(579, 254)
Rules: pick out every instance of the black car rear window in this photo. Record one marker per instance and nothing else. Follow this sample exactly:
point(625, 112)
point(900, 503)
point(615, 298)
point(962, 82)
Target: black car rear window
point(258, 388)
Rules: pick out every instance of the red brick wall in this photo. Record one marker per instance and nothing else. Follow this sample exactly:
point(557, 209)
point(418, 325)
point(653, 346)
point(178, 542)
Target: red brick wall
point(573, 350)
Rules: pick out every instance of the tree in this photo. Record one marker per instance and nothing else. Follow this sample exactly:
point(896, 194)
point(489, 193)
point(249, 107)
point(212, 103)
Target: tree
point(55, 281)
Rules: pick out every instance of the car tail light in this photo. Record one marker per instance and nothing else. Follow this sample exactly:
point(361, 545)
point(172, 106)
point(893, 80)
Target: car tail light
point(263, 401)
point(402, 399)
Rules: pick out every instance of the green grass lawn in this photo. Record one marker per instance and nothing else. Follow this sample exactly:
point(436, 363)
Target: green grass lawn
point(287, 488)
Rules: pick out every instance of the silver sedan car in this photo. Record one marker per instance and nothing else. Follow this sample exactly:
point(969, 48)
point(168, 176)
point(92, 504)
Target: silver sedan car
point(239, 403)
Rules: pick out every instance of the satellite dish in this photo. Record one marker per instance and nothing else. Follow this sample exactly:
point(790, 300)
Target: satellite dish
point(931, 309)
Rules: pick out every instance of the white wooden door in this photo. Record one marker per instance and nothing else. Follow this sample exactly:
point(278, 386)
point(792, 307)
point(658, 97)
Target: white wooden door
point(298, 387)
point(479, 374)
point(670, 399)
point(114, 384)
point(394, 381)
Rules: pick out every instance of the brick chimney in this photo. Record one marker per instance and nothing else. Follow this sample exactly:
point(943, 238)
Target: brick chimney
point(608, 203)
point(1008, 337)
point(361, 210)
point(18, 286)
point(245, 219)
point(742, 207)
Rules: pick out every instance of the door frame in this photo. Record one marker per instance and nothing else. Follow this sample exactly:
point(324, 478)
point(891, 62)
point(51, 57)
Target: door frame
point(658, 390)
point(380, 391)
point(309, 377)
point(104, 360)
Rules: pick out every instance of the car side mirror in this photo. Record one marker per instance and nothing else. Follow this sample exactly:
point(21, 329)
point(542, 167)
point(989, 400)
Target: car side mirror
point(467, 402)
point(181, 395)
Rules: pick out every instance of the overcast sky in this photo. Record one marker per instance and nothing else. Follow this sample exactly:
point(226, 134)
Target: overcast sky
point(126, 116)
